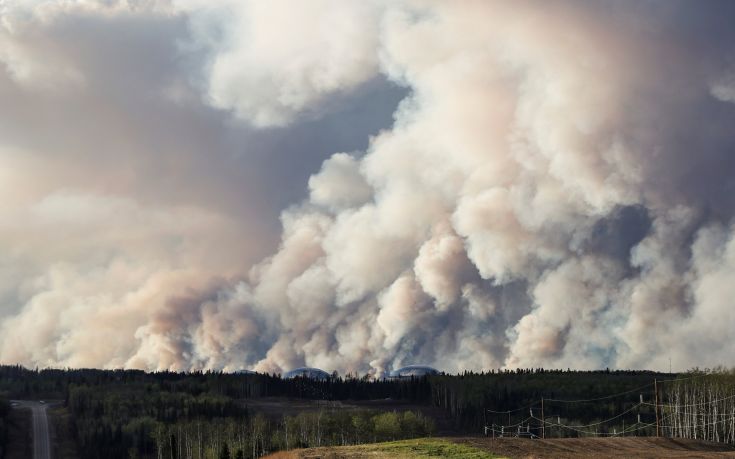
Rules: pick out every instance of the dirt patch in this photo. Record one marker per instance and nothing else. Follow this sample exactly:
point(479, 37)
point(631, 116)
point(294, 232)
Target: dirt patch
point(573, 448)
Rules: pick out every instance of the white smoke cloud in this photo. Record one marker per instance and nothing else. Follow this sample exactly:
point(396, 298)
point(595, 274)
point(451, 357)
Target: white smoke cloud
point(339, 185)
point(537, 202)
point(277, 59)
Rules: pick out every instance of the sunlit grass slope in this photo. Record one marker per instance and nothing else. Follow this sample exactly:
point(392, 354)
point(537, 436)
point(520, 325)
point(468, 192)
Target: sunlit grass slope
point(410, 449)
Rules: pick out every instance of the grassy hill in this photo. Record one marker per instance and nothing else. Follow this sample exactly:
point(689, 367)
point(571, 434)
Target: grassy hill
point(409, 449)
point(557, 448)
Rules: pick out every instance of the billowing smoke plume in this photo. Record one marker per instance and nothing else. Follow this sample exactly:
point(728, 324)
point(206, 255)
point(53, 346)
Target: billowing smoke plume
point(555, 190)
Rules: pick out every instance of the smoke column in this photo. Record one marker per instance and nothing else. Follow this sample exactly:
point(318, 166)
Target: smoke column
point(556, 189)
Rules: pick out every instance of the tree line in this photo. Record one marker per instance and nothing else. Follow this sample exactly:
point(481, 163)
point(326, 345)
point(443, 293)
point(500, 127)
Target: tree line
point(259, 435)
point(700, 406)
point(142, 420)
point(4, 412)
point(509, 398)
point(132, 413)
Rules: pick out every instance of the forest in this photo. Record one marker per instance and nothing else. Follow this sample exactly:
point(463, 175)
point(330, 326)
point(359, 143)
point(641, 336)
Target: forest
point(4, 411)
point(135, 414)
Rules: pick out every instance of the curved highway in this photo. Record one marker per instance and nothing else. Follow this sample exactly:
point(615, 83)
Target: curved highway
point(41, 436)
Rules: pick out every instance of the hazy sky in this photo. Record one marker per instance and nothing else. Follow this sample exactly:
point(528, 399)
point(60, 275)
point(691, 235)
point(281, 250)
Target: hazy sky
point(358, 185)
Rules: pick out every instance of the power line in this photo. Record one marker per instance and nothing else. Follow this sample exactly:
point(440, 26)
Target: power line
point(689, 414)
point(638, 389)
point(514, 410)
point(604, 434)
point(510, 433)
point(521, 423)
point(604, 421)
point(681, 426)
point(666, 421)
point(694, 376)
point(711, 402)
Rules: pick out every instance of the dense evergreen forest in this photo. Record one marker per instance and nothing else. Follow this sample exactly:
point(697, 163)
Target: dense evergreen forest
point(4, 410)
point(130, 413)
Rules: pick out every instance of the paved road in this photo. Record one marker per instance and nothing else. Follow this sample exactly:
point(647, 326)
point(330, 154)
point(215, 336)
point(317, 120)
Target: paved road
point(41, 436)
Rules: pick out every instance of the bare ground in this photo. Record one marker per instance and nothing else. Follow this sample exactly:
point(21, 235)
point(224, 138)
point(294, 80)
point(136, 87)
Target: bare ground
point(628, 447)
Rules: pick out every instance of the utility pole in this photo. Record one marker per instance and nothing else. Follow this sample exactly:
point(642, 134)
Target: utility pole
point(543, 422)
point(655, 389)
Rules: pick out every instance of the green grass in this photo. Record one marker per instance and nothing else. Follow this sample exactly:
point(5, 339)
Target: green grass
point(431, 447)
point(409, 449)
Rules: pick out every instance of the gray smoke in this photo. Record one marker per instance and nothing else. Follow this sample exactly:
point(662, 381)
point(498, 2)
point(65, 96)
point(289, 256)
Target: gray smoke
point(556, 190)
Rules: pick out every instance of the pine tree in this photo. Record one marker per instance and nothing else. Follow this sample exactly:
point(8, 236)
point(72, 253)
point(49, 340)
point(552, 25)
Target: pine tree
point(225, 451)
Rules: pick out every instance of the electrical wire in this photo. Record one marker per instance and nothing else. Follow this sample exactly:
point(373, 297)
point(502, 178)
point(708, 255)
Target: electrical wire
point(672, 427)
point(664, 422)
point(603, 434)
point(511, 434)
point(604, 421)
point(694, 376)
point(711, 402)
point(638, 389)
point(516, 424)
point(514, 410)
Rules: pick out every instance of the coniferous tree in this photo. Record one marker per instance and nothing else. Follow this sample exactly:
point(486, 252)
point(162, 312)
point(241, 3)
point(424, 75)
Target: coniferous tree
point(225, 451)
